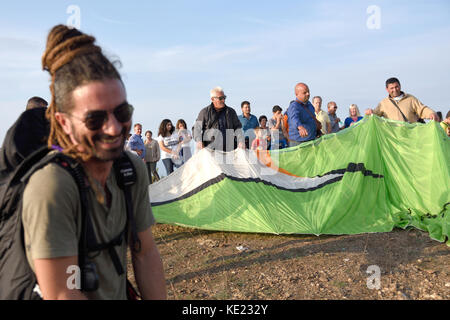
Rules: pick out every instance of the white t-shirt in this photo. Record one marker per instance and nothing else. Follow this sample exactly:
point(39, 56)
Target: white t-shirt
point(400, 97)
point(169, 142)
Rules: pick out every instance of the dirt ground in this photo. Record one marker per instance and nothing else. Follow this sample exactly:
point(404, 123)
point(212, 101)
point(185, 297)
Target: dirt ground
point(398, 265)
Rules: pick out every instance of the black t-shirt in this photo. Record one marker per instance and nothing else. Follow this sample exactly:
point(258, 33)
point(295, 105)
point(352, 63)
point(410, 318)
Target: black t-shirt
point(222, 121)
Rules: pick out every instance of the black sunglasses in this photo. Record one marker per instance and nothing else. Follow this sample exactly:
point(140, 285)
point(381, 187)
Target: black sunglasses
point(221, 98)
point(94, 120)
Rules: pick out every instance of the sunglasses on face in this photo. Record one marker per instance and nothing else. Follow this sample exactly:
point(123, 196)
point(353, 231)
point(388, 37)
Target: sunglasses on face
point(221, 98)
point(95, 119)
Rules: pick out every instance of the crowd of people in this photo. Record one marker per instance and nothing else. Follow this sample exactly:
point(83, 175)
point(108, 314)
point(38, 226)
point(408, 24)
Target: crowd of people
point(219, 127)
point(172, 146)
point(89, 120)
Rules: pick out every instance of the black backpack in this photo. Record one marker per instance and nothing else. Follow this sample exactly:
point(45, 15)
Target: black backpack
point(24, 151)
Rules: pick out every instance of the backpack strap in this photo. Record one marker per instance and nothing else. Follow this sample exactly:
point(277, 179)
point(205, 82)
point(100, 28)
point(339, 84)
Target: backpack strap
point(88, 242)
point(126, 177)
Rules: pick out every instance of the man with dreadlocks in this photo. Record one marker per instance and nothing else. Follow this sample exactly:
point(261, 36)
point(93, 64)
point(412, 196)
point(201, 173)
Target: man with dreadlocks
point(90, 119)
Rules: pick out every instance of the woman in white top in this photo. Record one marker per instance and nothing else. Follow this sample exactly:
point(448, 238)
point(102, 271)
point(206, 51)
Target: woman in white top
point(168, 144)
point(185, 136)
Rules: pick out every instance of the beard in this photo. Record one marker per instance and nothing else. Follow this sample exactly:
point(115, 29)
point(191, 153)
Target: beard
point(108, 154)
point(91, 145)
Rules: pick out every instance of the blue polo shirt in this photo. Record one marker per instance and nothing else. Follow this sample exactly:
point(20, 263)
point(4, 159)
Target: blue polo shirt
point(298, 116)
point(348, 121)
point(136, 143)
point(247, 124)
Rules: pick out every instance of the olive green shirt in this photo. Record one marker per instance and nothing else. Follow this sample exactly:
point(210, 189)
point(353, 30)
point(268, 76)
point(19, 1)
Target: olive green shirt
point(52, 221)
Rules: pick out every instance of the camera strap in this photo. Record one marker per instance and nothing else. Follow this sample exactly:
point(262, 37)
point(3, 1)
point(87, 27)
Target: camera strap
point(126, 177)
point(318, 124)
point(87, 232)
point(395, 104)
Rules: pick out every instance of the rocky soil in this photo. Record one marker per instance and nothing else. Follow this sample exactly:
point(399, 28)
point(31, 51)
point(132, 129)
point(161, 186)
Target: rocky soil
point(398, 265)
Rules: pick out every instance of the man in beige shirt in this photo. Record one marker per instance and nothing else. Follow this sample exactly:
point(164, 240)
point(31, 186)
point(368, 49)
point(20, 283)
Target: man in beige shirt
point(401, 106)
point(321, 115)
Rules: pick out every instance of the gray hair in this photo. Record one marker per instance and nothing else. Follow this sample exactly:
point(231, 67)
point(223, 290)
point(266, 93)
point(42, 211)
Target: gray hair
point(214, 91)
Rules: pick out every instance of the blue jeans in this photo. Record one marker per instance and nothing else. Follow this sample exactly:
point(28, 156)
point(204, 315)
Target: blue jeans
point(151, 169)
point(168, 164)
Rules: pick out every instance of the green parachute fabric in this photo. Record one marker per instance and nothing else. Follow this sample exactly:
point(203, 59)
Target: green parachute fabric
point(372, 177)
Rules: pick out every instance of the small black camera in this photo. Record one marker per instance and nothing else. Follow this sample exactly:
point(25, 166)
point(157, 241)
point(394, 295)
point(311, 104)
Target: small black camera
point(89, 277)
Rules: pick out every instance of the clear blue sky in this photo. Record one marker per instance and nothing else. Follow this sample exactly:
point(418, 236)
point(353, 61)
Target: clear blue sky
point(174, 52)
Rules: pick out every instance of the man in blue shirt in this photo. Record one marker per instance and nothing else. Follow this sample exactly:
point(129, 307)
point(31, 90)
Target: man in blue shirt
point(249, 123)
point(136, 143)
point(302, 125)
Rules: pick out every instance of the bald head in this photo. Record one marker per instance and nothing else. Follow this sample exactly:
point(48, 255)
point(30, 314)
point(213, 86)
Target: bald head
point(302, 92)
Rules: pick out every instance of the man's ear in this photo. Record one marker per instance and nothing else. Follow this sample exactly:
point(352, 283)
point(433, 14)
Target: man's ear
point(387, 90)
point(64, 122)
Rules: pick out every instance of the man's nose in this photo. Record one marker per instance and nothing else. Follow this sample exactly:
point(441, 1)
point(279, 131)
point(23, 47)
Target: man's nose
point(112, 126)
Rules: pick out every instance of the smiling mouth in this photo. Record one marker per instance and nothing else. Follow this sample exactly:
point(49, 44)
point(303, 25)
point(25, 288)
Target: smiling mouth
point(110, 141)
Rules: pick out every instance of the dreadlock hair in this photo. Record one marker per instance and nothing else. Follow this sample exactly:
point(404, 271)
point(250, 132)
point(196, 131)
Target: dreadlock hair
point(72, 59)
